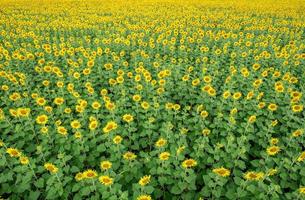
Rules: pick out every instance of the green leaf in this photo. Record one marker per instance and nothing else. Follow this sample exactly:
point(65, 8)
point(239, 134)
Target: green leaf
point(34, 195)
point(176, 190)
point(39, 183)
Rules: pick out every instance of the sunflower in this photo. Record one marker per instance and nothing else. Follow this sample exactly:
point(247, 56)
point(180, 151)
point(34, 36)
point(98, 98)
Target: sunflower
point(222, 171)
point(59, 100)
point(23, 112)
point(302, 190)
point(62, 130)
point(89, 174)
point(301, 157)
point(95, 105)
point(164, 155)
point(237, 95)
point(161, 142)
point(297, 133)
point(226, 94)
point(273, 150)
point(75, 124)
point(128, 118)
point(51, 168)
point(254, 176)
point(144, 197)
point(106, 180)
point(129, 156)
point(145, 105)
point(189, 163)
point(252, 119)
point(105, 165)
point(13, 152)
point(42, 119)
point(41, 101)
point(24, 160)
point(297, 108)
point(93, 125)
point(110, 126)
point(274, 141)
point(79, 176)
point(136, 98)
point(144, 180)
point(272, 107)
point(117, 139)
point(206, 132)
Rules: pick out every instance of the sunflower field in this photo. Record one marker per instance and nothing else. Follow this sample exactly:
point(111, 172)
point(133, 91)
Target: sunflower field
point(152, 99)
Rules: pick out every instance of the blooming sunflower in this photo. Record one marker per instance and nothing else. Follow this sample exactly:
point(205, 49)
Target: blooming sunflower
point(13, 152)
point(106, 180)
point(222, 171)
point(89, 174)
point(51, 168)
point(273, 150)
point(254, 176)
point(105, 165)
point(144, 197)
point(189, 163)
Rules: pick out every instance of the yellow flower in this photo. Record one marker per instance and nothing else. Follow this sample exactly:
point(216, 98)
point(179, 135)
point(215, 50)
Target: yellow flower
point(180, 150)
point(302, 190)
point(106, 180)
point(226, 94)
point(13, 152)
point(129, 156)
point(62, 130)
point(89, 174)
point(128, 118)
point(79, 176)
point(189, 163)
point(297, 108)
point(274, 123)
point(222, 171)
point(75, 124)
point(297, 133)
point(252, 119)
point(136, 98)
point(204, 114)
point(145, 105)
point(95, 105)
point(206, 132)
point(41, 101)
point(164, 156)
point(24, 160)
point(105, 165)
point(51, 168)
point(144, 197)
point(301, 157)
point(93, 125)
point(110, 126)
point(110, 106)
point(77, 135)
point(254, 176)
point(261, 105)
point(274, 141)
point(117, 139)
point(42, 119)
point(59, 100)
point(237, 95)
point(161, 142)
point(144, 180)
point(23, 112)
point(273, 150)
point(272, 107)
